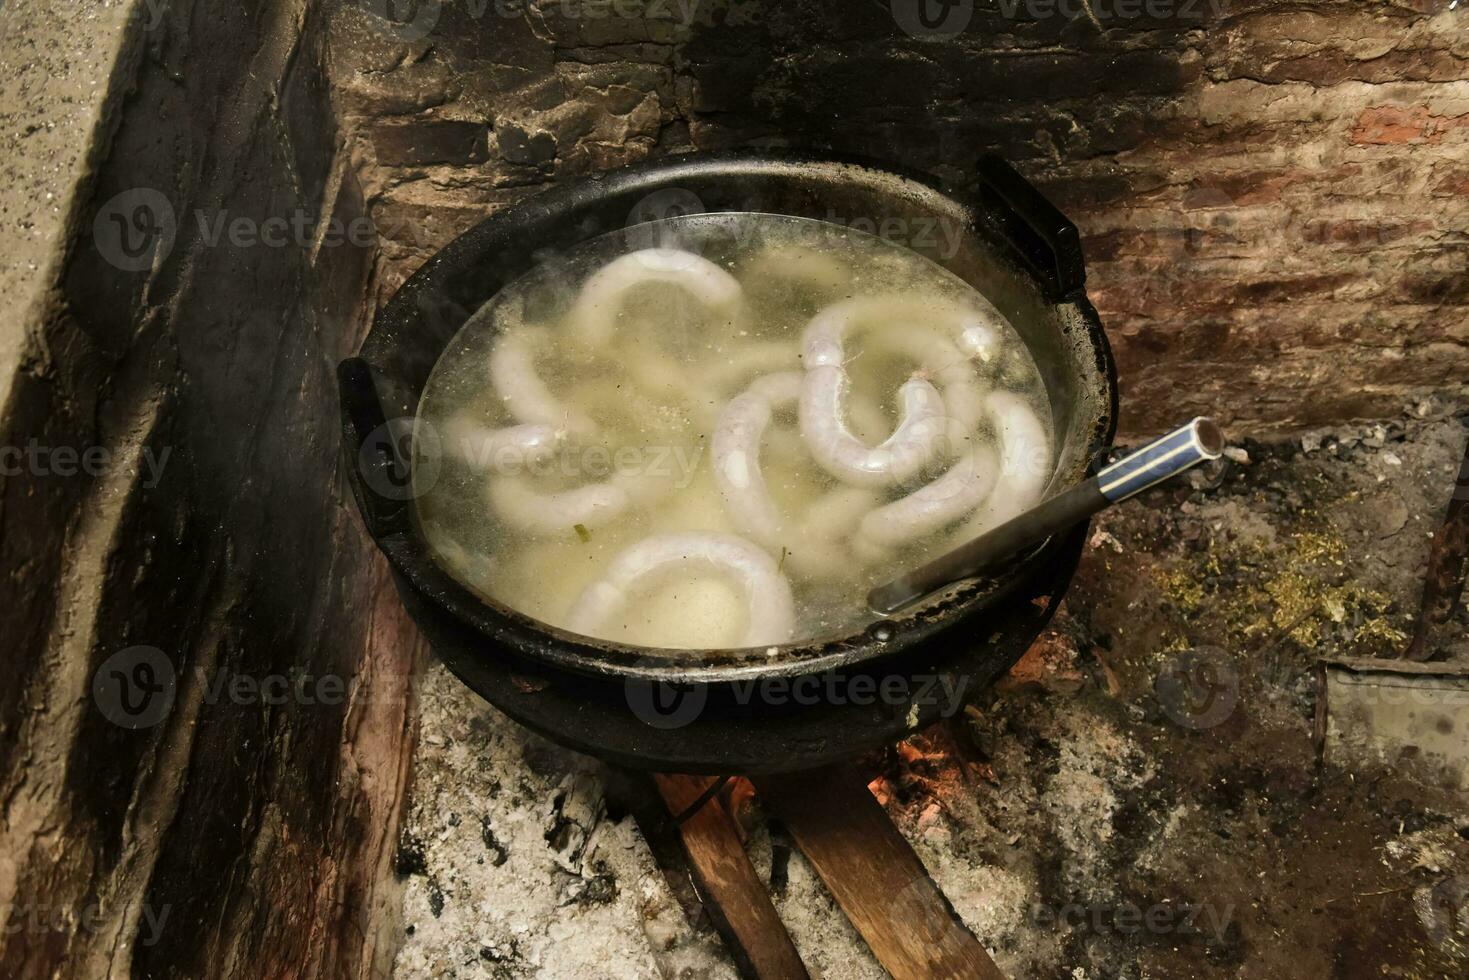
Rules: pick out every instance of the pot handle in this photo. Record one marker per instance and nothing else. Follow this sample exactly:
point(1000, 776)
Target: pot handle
point(377, 466)
point(1047, 241)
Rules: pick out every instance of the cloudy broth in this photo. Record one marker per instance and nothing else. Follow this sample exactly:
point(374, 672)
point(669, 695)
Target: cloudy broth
point(722, 430)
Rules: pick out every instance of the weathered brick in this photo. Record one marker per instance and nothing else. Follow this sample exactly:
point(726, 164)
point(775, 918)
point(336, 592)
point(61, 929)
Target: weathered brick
point(1386, 125)
point(519, 143)
point(1451, 182)
point(1325, 47)
point(422, 142)
point(1267, 186)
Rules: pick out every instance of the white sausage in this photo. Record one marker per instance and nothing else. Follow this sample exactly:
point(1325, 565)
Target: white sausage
point(977, 331)
point(918, 439)
point(943, 363)
point(523, 507)
point(778, 389)
point(507, 450)
point(811, 267)
point(736, 458)
point(526, 397)
point(936, 505)
point(666, 557)
point(735, 453)
point(919, 328)
point(824, 548)
point(1025, 462)
point(593, 316)
point(994, 488)
point(526, 509)
point(814, 546)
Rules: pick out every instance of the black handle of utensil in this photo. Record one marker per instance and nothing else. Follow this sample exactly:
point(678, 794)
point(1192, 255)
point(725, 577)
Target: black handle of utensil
point(1046, 241)
point(377, 462)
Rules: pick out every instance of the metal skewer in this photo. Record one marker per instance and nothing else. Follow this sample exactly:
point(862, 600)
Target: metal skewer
point(1194, 443)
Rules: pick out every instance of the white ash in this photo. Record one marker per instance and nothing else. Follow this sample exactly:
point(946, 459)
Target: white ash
point(516, 871)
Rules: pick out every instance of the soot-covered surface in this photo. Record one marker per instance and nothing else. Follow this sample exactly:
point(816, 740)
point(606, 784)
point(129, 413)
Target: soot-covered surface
point(1083, 824)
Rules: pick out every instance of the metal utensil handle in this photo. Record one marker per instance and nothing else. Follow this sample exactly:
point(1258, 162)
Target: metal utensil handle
point(1186, 446)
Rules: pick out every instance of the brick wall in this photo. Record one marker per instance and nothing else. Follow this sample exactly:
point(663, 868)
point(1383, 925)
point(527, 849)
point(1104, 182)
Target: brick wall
point(1273, 194)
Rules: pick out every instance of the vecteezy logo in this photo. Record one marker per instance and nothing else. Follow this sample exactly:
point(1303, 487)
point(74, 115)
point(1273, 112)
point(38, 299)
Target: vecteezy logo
point(134, 229)
point(1198, 688)
point(387, 458)
point(933, 18)
point(643, 230)
point(671, 202)
point(665, 705)
point(134, 688)
point(406, 20)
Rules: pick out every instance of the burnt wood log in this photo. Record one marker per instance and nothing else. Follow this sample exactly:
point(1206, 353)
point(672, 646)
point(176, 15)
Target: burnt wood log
point(733, 894)
point(875, 876)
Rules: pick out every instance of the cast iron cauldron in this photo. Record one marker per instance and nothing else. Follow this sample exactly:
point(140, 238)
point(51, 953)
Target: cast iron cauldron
point(739, 710)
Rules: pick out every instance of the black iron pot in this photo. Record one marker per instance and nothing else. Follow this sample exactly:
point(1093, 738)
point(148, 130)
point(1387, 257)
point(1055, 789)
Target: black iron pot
point(739, 710)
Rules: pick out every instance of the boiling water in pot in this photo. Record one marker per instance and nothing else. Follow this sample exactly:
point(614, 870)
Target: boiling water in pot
point(722, 430)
